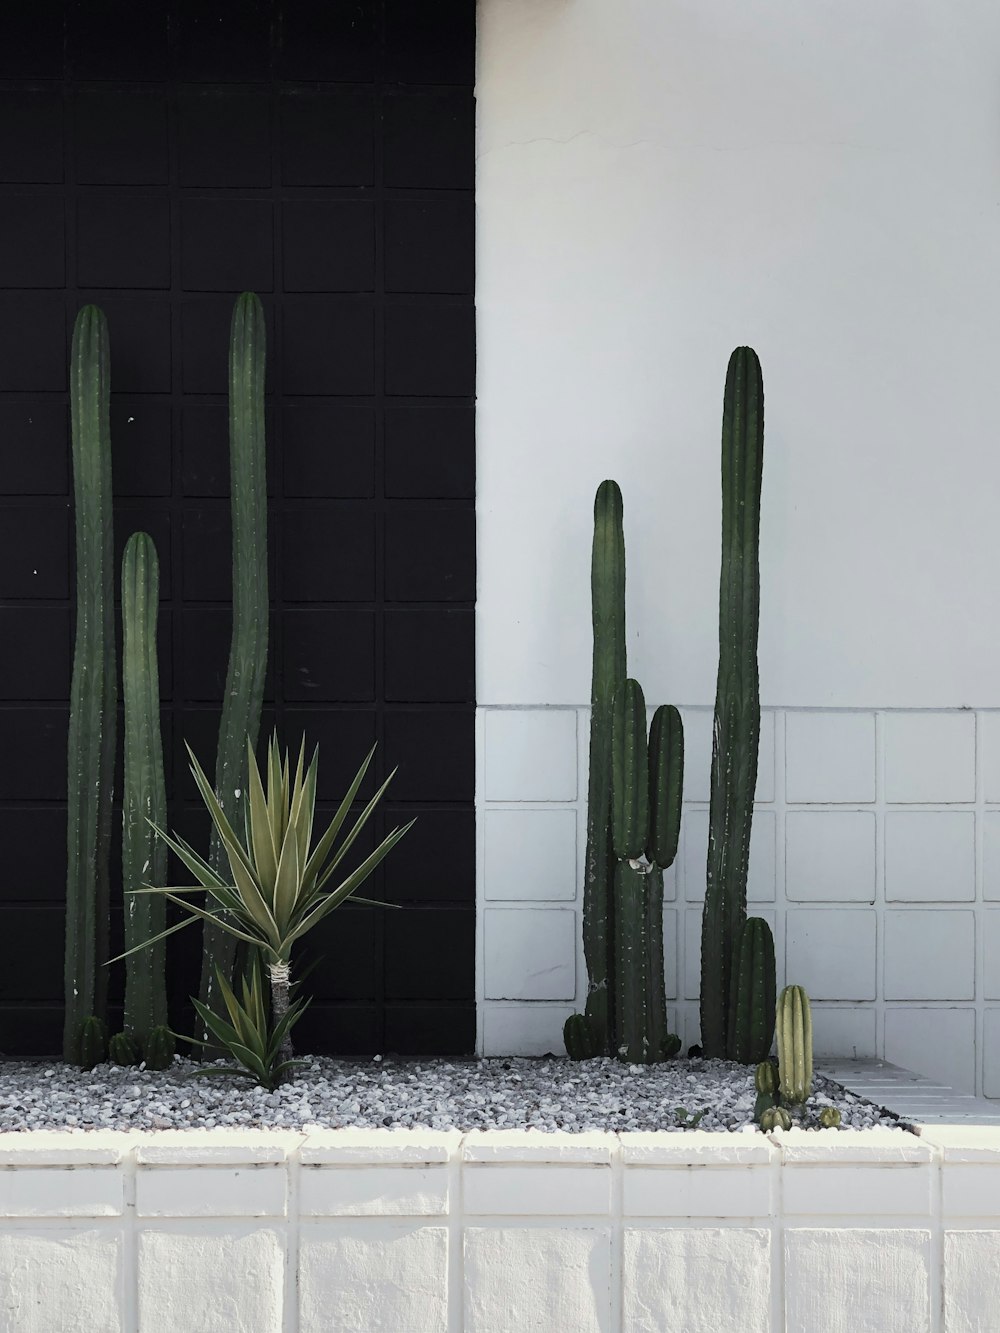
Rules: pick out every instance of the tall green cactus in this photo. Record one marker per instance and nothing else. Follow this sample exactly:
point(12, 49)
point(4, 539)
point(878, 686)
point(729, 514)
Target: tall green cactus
point(93, 692)
point(607, 584)
point(795, 1044)
point(752, 994)
point(248, 650)
point(144, 855)
point(737, 702)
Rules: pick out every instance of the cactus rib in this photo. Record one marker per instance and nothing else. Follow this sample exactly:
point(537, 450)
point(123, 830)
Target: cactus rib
point(795, 1058)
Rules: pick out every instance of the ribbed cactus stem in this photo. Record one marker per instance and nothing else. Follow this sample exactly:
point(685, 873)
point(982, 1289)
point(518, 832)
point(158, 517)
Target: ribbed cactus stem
point(607, 582)
point(752, 994)
point(737, 704)
point(93, 692)
point(144, 799)
point(248, 650)
point(795, 1054)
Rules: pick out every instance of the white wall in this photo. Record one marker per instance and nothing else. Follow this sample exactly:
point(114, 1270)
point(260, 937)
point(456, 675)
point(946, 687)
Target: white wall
point(661, 180)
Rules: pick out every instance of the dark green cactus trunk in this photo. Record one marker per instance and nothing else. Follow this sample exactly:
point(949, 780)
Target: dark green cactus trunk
point(752, 994)
point(93, 692)
point(607, 582)
point(144, 798)
point(737, 703)
point(632, 964)
point(248, 651)
point(629, 773)
point(666, 784)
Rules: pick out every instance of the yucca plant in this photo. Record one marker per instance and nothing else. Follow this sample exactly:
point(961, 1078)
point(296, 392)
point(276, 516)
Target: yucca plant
point(252, 1037)
point(278, 877)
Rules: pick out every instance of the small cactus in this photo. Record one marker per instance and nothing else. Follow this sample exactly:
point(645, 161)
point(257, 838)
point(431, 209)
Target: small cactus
point(764, 1102)
point(581, 1042)
point(92, 1047)
point(795, 1056)
point(160, 1049)
point(829, 1118)
point(123, 1049)
point(775, 1117)
point(765, 1077)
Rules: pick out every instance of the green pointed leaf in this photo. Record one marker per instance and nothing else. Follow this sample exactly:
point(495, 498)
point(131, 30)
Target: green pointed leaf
point(265, 853)
point(323, 847)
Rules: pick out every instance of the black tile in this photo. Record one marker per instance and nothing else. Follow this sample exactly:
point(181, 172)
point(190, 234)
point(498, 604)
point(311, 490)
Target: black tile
point(328, 245)
point(331, 41)
point(329, 655)
point(121, 137)
point(206, 640)
point(227, 245)
point(436, 861)
point(207, 543)
point(117, 39)
point(430, 245)
point(31, 136)
point(328, 557)
point(328, 347)
point(139, 337)
point(430, 655)
point(415, 1029)
point(35, 663)
point(34, 842)
point(157, 523)
point(430, 452)
point(32, 241)
point(344, 943)
point(34, 448)
point(223, 39)
point(35, 973)
point(31, 41)
point(198, 728)
point(346, 1030)
point(35, 549)
point(140, 446)
point(205, 328)
point(328, 449)
point(327, 138)
point(123, 240)
point(430, 43)
point(430, 140)
point(430, 555)
point(30, 1030)
point(38, 737)
point(430, 350)
point(344, 737)
point(435, 752)
point(444, 934)
point(205, 450)
point(223, 136)
point(33, 350)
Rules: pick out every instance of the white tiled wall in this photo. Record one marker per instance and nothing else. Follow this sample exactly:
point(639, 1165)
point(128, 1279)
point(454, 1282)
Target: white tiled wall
point(875, 858)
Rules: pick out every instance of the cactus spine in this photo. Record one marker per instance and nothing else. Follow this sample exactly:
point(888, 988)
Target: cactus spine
point(737, 704)
point(144, 855)
point(248, 650)
point(795, 1052)
point(93, 693)
point(752, 994)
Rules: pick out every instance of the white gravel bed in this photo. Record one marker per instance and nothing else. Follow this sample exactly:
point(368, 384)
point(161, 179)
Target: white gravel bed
point(545, 1094)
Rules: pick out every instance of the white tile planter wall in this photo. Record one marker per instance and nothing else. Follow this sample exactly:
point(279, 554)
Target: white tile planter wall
point(421, 1232)
point(875, 859)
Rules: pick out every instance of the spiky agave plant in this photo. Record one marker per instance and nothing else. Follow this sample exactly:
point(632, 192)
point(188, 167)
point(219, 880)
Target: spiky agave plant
point(279, 878)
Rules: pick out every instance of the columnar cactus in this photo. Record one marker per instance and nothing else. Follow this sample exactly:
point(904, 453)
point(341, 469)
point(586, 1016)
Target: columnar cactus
point(92, 1043)
point(751, 994)
point(93, 692)
point(248, 650)
point(795, 1052)
point(144, 801)
point(737, 703)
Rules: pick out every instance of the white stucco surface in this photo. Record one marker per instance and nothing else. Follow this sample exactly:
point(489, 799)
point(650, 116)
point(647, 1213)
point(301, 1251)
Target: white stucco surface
point(661, 180)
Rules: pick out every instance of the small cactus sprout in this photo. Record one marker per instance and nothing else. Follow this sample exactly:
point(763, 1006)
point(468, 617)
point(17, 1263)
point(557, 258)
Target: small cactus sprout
point(160, 1049)
point(764, 1102)
point(580, 1039)
point(765, 1077)
point(829, 1118)
point(775, 1117)
point(670, 1046)
point(123, 1049)
point(93, 1046)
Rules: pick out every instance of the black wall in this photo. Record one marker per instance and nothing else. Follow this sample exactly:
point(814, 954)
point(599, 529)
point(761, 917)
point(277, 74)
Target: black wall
point(157, 160)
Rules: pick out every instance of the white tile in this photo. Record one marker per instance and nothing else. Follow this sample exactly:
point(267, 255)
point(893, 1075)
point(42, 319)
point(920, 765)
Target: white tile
point(694, 854)
point(863, 1280)
point(930, 756)
point(671, 1280)
point(530, 953)
point(856, 1189)
point(524, 1029)
point(530, 754)
point(692, 953)
point(671, 942)
point(210, 1282)
point(830, 855)
point(930, 856)
point(989, 924)
point(830, 757)
point(991, 1053)
point(61, 1280)
point(205, 1191)
point(989, 742)
point(373, 1191)
point(530, 855)
point(382, 1278)
point(930, 955)
point(991, 855)
point(971, 1189)
point(62, 1192)
point(939, 1043)
point(708, 1191)
point(831, 952)
point(764, 790)
point(549, 1279)
point(516, 1190)
point(969, 1302)
point(849, 1033)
